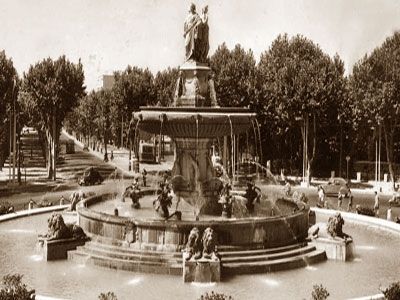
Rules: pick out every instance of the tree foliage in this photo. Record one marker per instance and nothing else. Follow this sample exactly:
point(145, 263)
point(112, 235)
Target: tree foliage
point(234, 75)
point(299, 84)
point(8, 78)
point(52, 89)
point(133, 87)
point(164, 86)
point(375, 93)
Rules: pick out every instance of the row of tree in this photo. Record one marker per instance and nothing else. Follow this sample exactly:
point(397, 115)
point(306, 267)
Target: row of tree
point(299, 93)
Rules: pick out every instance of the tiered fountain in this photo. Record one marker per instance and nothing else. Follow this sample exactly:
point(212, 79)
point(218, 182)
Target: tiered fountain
point(141, 241)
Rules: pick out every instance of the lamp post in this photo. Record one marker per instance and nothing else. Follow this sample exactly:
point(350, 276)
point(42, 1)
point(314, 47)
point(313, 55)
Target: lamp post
point(347, 164)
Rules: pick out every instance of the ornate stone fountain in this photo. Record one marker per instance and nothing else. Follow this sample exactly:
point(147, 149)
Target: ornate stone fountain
point(145, 242)
point(195, 120)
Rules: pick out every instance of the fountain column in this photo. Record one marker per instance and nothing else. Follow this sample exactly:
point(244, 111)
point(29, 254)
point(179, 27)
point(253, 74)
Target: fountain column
point(193, 163)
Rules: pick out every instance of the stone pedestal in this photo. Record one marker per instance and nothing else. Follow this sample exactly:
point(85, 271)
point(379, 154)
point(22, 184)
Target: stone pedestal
point(201, 270)
point(57, 249)
point(335, 248)
point(193, 85)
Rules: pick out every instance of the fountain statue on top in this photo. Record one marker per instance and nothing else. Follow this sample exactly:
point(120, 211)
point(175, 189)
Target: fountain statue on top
point(194, 121)
point(195, 84)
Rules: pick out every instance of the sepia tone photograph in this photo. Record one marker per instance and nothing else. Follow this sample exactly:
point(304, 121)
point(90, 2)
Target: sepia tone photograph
point(199, 150)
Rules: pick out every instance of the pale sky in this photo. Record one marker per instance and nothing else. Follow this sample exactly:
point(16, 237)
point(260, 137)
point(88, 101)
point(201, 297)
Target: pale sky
point(110, 34)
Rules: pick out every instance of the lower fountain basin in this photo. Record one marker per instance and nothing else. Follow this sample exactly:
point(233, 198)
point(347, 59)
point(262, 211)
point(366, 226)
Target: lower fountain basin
point(192, 122)
point(147, 231)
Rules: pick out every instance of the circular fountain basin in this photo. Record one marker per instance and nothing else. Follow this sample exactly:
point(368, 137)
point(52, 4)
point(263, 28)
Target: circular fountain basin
point(192, 122)
point(374, 265)
point(152, 232)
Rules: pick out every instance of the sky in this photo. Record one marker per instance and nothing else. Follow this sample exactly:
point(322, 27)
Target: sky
point(108, 35)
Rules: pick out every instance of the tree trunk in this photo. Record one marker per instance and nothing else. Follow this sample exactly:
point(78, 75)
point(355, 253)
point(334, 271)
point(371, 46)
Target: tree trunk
point(49, 160)
point(389, 145)
point(310, 158)
point(54, 147)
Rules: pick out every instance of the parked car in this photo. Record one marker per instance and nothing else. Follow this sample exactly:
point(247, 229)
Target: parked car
point(90, 177)
point(335, 186)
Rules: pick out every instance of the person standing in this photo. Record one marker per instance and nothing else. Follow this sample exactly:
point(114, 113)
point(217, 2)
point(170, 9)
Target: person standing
point(144, 175)
point(376, 204)
point(340, 201)
point(350, 205)
point(389, 213)
point(321, 196)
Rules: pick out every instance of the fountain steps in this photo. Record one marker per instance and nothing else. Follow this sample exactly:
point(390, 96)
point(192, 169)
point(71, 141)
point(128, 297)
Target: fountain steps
point(253, 257)
point(125, 265)
point(287, 263)
point(162, 262)
point(228, 251)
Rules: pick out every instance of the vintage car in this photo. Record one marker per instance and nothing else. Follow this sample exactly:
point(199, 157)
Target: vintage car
point(90, 177)
point(335, 186)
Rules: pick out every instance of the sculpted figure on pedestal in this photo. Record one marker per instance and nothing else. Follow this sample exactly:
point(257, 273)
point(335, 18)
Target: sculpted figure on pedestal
point(196, 35)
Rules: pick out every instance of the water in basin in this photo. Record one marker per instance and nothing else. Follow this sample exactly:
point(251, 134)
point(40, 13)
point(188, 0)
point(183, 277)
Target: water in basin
point(376, 263)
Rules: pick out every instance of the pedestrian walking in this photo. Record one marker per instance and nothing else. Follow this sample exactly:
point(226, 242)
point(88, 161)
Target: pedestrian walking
point(144, 175)
point(321, 196)
point(340, 200)
point(389, 213)
point(350, 205)
point(112, 155)
point(288, 189)
point(376, 204)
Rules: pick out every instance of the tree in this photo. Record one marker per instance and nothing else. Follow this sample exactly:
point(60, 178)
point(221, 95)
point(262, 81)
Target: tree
point(375, 93)
point(52, 89)
point(103, 117)
point(8, 92)
point(299, 85)
point(164, 86)
point(133, 88)
point(234, 75)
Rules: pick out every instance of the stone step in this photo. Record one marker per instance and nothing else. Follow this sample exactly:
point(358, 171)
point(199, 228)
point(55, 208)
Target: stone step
point(136, 257)
point(126, 265)
point(126, 250)
point(251, 257)
point(287, 263)
point(226, 251)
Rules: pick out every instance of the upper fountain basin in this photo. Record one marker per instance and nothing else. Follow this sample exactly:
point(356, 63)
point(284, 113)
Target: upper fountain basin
point(192, 122)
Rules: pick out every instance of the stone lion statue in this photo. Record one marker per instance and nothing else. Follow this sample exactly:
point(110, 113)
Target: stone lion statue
point(57, 229)
point(193, 245)
point(335, 226)
point(209, 243)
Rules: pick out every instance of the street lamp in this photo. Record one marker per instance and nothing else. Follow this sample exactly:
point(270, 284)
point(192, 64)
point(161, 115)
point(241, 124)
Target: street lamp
point(347, 172)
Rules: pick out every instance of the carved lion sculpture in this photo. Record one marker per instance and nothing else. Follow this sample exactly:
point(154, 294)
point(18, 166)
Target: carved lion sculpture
point(193, 245)
point(335, 225)
point(209, 243)
point(57, 229)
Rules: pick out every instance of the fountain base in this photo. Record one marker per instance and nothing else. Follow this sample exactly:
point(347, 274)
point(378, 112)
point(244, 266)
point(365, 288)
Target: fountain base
point(335, 248)
point(201, 270)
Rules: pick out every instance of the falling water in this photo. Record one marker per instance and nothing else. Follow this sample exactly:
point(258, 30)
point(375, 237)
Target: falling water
point(232, 146)
point(160, 136)
point(255, 141)
point(259, 140)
